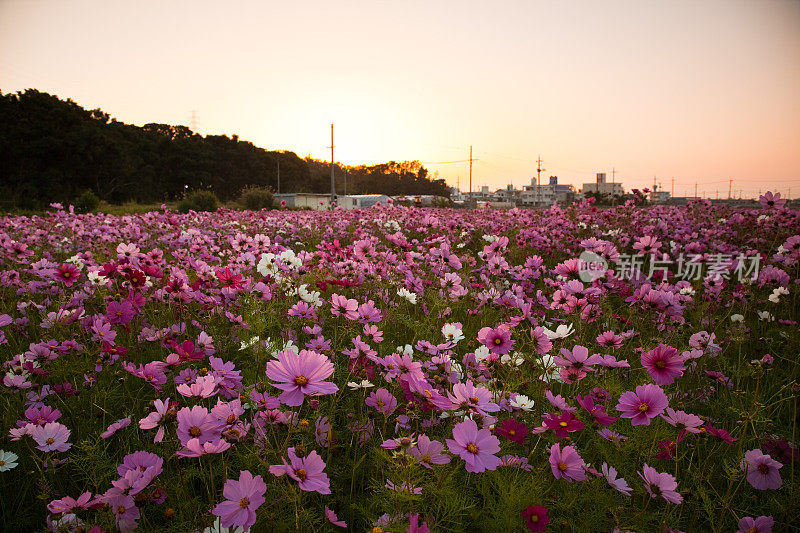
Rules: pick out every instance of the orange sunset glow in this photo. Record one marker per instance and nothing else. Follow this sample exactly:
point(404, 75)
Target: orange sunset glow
point(699, 92)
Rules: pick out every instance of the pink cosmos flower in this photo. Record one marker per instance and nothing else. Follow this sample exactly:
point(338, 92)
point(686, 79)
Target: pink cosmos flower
point(566, 464)
point(660, 484)
point(617, 483)
point(51, 436)
point(477, 399)
point(498, 339)
point(307, 471)
point(762, 524)
point(116, 426)
point(663, 363)
point(367, 312)
point(597, 410)
point(125, 511)
point(154, 420)
point(119, 312)
point(771, 201)
point(762, 470)
point(197, 423)
point(646, 403)
point(68, 504)
point(429, 452)
point(333, 519)
point(382, 400)
point(243, 498)
point(341, 305)
point(203, 387)
point(609, 339)
point(683, 420)
point(195, 449)
point(475, 447)
point(300, 374)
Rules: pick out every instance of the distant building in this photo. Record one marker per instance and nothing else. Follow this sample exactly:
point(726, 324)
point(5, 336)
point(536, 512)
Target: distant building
point(546, 195)
point(660, 197)
point(602, 187)
point(317, 202)
point(361, 201)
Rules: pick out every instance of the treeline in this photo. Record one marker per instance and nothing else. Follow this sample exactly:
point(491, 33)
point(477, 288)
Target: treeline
point(52, 150)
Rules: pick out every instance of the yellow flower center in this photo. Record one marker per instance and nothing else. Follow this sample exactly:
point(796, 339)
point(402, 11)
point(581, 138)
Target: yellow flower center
point(562, 466)
point(302, 474)
point(49, 440)
point(300, 381)
point(643, 407)
point(471, 448)
point(194, 431)
point(562, 424)
point(244, 502)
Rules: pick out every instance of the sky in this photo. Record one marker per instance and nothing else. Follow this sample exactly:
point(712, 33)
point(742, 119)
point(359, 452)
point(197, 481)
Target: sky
point(696, 91)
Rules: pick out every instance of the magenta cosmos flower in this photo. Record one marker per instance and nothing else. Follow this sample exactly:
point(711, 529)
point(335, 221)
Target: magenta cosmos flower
point(300, 374)
point(243, 497)
point(498, 339)
point(67, 273)
point(476, 447)
point(663, 363)
point(660, 484)
point(307, 471)
point(566, 464)
point(762, 470)
point(564, 424)
point(647, 402)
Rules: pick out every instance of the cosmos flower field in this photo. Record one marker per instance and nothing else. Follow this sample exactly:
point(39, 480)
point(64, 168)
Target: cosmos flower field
point(402, 369)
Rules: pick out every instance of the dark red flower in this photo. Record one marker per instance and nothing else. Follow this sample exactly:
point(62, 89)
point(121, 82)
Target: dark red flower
point(536, 518)
point(512, 430)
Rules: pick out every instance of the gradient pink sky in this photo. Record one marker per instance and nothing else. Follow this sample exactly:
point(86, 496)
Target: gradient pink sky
point(700, 91)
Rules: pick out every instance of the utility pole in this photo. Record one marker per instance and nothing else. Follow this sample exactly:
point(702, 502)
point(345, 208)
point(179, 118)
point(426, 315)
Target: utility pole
point(279, 176)
point(673, 187)
point(194, 120)
point(695, 190)
point(613, 174)
point(730, 185)
point(539, 171)
point(333, 185)
point(345, 183)
point(470, 172)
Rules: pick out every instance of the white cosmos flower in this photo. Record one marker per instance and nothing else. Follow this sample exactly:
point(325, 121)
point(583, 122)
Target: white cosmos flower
point(562, 332)
point(737, 318)
point(365, 384)
point(766, 315)
point(481, 353)
point(513, 359)
point(520, 401)
point(452, 333)
point(775, 297)
point(8, 460)
point(408, 295)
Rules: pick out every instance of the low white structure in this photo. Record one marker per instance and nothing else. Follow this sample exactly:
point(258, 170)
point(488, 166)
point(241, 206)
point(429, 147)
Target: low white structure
point(602, 187)
point(317, 202)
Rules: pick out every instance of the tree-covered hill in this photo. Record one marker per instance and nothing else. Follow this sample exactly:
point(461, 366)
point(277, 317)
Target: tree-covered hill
point(52, 150)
